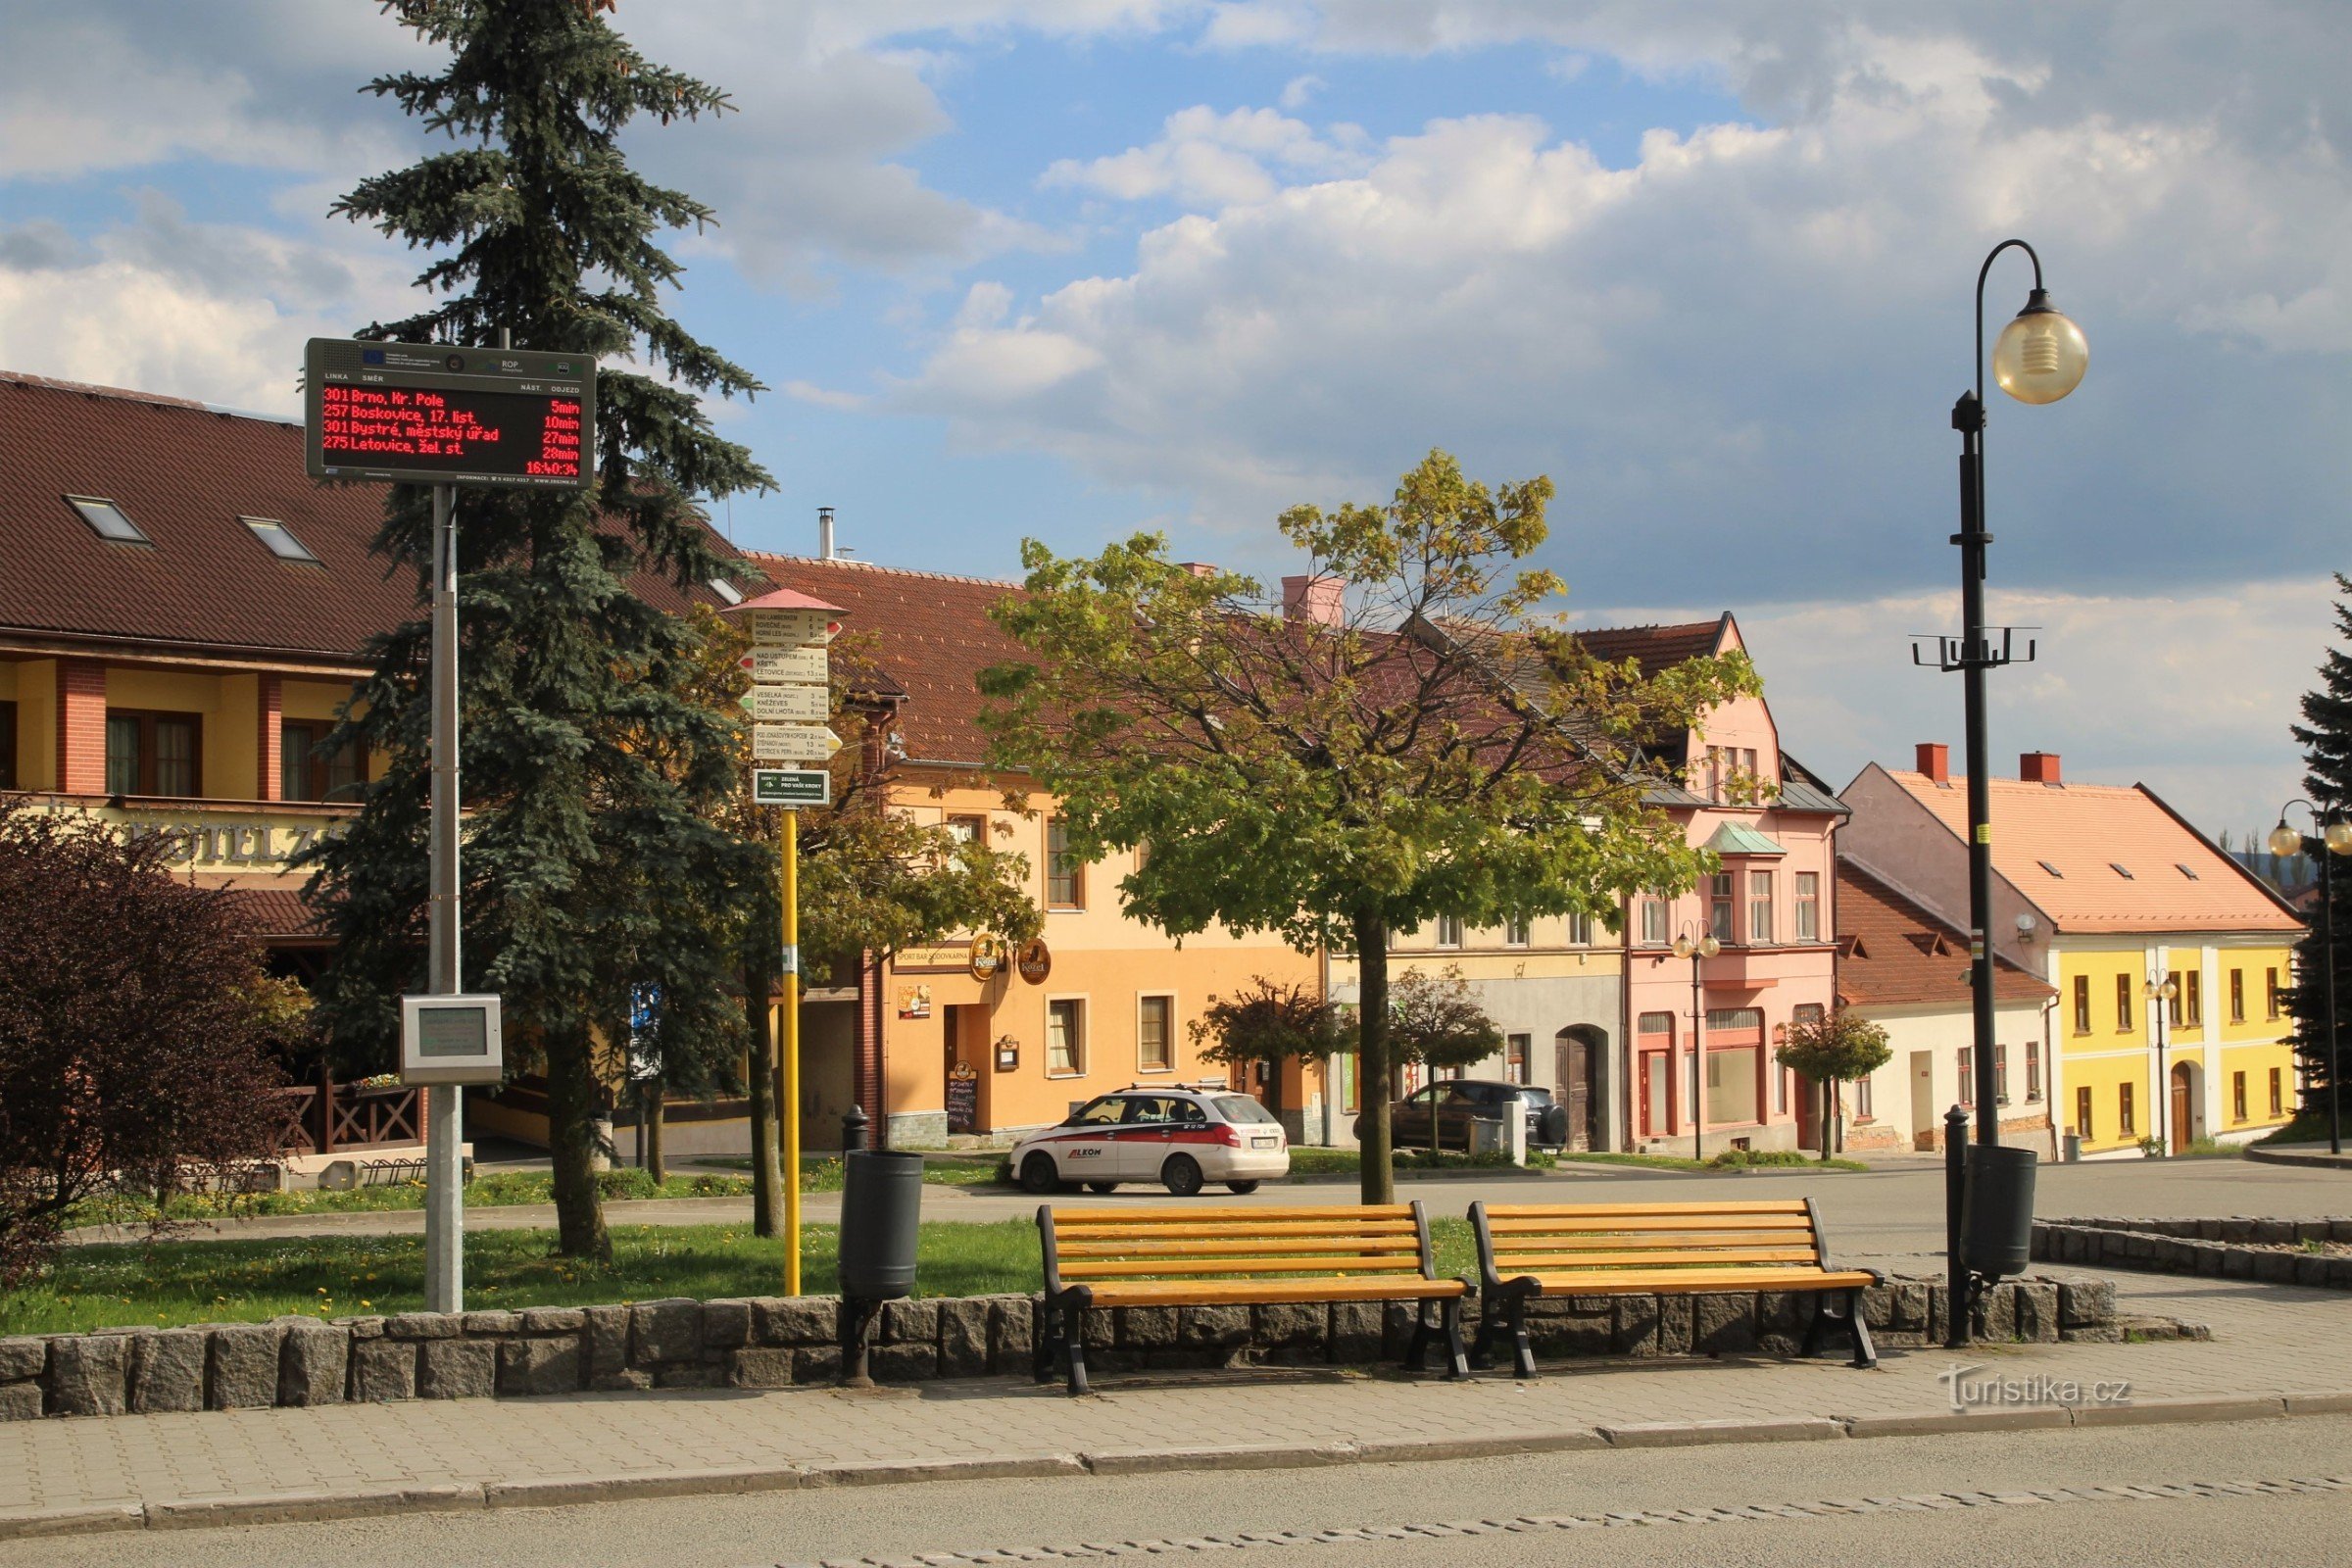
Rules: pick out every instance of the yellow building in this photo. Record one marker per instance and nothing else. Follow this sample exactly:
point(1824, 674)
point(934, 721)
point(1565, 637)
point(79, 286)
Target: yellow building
point(2167, 957)
point(947, 1048)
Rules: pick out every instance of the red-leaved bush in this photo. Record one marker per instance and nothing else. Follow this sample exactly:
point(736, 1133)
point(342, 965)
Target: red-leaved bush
point(133, 1031)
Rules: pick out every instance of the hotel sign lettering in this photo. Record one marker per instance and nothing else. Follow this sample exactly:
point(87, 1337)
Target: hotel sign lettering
point(220, 844)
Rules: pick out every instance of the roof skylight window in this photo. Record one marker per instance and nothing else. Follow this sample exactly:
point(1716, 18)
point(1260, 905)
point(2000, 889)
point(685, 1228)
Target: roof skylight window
point(728, 593)
point(2186, 872)
point(279, 540)
point(2053, 871)
point(107, 520)
point(2118, 871)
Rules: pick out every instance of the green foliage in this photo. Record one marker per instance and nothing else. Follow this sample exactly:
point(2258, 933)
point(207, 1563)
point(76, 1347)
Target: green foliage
point(590, 768)
point(2325, 736)
point(1776, 1159)
point(1435, 1019)
point(1271, 1022)
point(1838, 1046)
point(1439, 746)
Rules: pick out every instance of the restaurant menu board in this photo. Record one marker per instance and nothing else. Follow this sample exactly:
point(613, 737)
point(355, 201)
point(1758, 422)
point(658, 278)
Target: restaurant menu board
point(436, 413)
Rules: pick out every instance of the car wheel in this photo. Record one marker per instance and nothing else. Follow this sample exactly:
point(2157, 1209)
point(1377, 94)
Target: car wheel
point(1181, 1175)
point(1242, 1188)
point(1039, 1174)
point(1100, 1187)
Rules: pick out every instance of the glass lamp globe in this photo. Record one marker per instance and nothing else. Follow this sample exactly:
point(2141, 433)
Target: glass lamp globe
point(1682, 947)
point(2285, 840)
point(2339, 837)
point(2041, 356)
point(1708, 947)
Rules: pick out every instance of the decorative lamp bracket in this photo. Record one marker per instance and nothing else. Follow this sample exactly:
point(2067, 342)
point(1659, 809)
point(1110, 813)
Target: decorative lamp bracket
point(1954, 654)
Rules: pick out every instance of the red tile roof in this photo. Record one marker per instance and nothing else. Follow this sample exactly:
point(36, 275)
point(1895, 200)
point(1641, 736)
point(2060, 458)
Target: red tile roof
point(929, 636)
point(274, 913)
point(2061, 844)
point(1656, 648)
point(1893, 952)
point(184, 475)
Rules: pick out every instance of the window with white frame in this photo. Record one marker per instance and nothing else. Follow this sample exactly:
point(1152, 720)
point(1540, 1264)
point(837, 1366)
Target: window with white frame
point(1515, 932)
point(1808, 905)
point(1154, 1022)
point(1760, 909)
point(1722, 894)
point(1449, 931)
point(1066, 1039)
point(1653, 919)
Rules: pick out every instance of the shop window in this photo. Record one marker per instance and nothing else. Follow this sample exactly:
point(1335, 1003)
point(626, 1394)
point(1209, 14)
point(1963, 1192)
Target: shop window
point(1154, 1017)
point(1808, 905)
point(303, 774)
point(152, 753)
point(1514, 1056)
point(1066, 1039)
point(1065, 878)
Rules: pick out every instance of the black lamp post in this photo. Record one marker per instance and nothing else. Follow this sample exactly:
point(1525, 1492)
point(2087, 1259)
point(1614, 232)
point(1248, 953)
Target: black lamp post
point(2040, 358)
point(1698, 947)
point(2160, 994)
point(2335, 838)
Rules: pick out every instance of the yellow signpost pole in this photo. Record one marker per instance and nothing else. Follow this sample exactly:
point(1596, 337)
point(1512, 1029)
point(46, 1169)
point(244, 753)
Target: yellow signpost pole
point(788, 1054)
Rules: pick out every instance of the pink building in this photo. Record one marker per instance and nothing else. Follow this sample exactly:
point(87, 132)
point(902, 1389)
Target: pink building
point(1732, 790)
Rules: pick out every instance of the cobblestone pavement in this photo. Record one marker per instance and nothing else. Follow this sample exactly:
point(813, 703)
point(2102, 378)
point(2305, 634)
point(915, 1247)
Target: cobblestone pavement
point(2270, 1342)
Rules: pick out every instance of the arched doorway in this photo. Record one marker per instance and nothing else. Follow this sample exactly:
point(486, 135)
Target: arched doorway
point(2183, 1128)
point(1580, 1056)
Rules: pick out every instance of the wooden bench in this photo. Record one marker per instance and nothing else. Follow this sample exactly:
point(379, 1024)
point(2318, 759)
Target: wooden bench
point(1191, 1256)
point(1531, 1249)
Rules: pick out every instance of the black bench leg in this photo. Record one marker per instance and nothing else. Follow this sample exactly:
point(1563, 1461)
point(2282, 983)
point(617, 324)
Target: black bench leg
point(1866, 1354)
point(1523, 1354)
point(1074, 1333)
point(1482, 1344)
point(1457, 1365)
point(1416, 1355)
point(1822, 1316)
point(1047, 1357)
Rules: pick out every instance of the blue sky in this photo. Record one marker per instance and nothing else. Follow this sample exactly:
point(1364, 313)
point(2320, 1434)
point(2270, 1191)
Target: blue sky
point(1067, 267)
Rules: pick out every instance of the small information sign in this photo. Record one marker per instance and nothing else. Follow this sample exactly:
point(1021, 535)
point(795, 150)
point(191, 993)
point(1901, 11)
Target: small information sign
point(791, 786)
point(790, 628)
point(438, 414)
point(774, 703)
point(451, 1040)
point(793, 743)
point(804, 665)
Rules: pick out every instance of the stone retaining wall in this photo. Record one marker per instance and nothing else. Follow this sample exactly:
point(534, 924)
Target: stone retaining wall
point(2237, 1249)
point(776, 1342)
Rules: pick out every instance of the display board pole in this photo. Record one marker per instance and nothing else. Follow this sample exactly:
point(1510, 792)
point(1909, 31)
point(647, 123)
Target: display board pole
point(788, 1109)
point(445, 1132)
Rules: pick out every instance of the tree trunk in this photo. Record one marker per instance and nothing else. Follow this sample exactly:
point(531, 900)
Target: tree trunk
point(654, 1097)
point(1828, 1113)
point(570, 1139)
point(767, 1165)
point(1376, 1158)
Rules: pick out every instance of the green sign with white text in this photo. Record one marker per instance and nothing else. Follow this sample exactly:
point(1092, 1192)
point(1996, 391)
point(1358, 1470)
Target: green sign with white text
point(791, 786)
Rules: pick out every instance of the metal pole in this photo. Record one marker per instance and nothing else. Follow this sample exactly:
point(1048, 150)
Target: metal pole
point(789, 1051)
point(1956, 1150)
point(1969, 417)
point(445, 1132)
point(1698, 1057)
point(2335, 1049)
point(2164, 1079)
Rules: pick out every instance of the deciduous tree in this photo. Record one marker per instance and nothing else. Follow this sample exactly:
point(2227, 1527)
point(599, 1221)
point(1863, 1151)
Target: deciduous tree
point(1269, 1023)
point(1832, 1048)
point(1421, 738)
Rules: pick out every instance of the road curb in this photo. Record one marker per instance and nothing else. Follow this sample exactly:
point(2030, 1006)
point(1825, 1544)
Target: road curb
point(574, 1491)
point(2274, 1157)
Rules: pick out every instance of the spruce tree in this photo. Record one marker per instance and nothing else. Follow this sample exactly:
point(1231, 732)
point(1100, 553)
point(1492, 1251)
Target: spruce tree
point(590, 772)
point(2325, 736)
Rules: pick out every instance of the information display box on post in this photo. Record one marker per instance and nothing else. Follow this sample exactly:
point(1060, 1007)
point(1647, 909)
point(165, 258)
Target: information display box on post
point(437, 413)
point(451, 1040)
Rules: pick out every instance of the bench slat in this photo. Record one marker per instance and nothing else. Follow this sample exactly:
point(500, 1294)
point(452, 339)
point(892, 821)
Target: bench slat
point(1773, 1205)
point(1091, 1268)
point(1185, 1214)
point(1617, 1262)
point(1382, 1245)
point(1713, 1281)
point(1213, 1293)
point(1503, 1223)
point(1327, 1229)
point(1639, 1241)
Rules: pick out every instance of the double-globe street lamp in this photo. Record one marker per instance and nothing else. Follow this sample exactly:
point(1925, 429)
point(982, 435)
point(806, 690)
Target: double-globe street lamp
point(2333, 838)
point(1696, 948)
point(2040, 358)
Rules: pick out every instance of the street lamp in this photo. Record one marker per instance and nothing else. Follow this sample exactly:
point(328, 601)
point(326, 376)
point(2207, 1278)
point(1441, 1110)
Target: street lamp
point(2040, 358)
point(1697, 948)
point(2160, 995)
point(2335, 838)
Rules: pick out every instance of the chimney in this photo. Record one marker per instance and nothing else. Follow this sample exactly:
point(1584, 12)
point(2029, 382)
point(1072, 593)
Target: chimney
point(2039, 767)
point(824, 533)
point(1198, 568)
point(1319, 599)
point(1935, 761)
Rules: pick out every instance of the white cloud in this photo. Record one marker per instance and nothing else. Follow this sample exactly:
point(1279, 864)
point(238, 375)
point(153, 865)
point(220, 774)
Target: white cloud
point(1205, 158)
point(1299, 89)
point(821, 397)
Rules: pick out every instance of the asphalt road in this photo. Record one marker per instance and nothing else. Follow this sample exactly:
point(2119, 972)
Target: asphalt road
point(905, 1522)
point(1887, 1211)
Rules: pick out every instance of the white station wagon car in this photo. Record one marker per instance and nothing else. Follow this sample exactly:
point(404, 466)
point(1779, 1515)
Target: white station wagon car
point(1179, 1136)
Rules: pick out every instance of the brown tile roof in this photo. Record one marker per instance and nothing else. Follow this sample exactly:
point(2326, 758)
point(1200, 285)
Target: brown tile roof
point(930, 639)
point(184, 475)
point(1890, 951)
point(274, 913)
point(2083, 832)
point(1656, 648)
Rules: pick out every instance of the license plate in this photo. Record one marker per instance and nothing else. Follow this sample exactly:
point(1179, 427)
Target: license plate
point(1261, 1143)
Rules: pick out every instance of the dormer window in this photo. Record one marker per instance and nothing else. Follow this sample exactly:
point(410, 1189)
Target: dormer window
point(107, 520)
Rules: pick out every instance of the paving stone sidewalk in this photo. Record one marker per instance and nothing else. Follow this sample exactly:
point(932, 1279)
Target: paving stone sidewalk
point(2274, 1349)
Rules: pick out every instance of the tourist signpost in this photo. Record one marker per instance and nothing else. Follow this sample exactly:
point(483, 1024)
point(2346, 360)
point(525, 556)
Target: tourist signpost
point(790, 699)
point(446, 414)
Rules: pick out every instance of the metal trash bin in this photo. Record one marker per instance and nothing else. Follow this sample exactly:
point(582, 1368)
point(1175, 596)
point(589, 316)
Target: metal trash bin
point(1996, 1210)
point(881, 1217)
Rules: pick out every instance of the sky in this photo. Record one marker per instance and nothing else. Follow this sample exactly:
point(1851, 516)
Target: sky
point(1071, 269)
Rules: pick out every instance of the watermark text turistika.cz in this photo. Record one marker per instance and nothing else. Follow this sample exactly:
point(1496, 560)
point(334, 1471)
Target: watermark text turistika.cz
point(1972, 1388)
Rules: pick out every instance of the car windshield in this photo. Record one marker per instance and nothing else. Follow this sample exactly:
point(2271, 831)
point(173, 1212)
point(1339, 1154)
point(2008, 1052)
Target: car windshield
point(1099, 1112)
point(1242, 1108)
point(1540, 1096)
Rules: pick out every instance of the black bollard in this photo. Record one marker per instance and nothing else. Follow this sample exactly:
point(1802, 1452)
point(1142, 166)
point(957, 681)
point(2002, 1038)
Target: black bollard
point(1955, 1157)
point(854, 1129)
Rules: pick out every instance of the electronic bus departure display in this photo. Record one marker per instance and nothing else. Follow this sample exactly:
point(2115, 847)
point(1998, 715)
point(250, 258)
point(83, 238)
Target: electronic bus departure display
point(436, 414)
